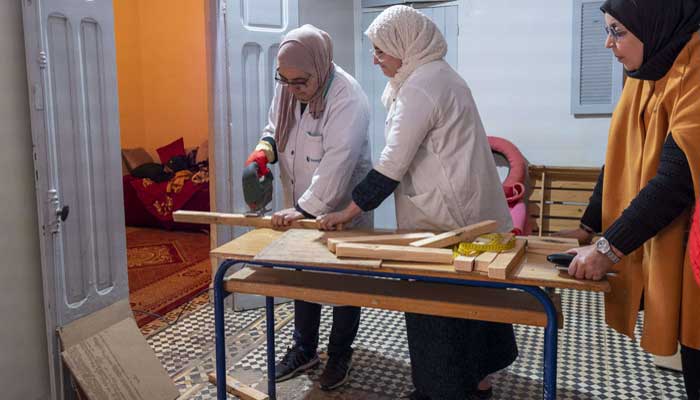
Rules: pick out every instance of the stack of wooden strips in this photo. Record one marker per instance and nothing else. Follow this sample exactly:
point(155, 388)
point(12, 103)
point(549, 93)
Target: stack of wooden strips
point(427, 247)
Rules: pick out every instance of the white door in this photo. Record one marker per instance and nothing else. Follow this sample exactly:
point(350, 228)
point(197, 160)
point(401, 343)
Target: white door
point(71, 69)
point(254, 29)
point(373, 83)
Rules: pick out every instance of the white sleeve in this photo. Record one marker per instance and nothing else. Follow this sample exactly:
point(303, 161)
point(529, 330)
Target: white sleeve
point(343, 138)
point(415, 114)
point(269, 130)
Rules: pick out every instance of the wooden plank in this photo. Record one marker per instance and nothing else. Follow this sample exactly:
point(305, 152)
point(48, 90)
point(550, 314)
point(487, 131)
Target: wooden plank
point(396, 239)
point(464, 263)
point(563, 196)
point(396, 253)
point(202, 217)
point(535, 270)
point(567, 184)
point(485, 304)
point(506, 261)
point(583, 173)
point(559, 224)
point(236, 388)
point(551, 239)
point(549, 245)
point(465, 234)
point(308, 247)
point(483, 260)
point(542, 200)
point(561, 210)
point(247, 246)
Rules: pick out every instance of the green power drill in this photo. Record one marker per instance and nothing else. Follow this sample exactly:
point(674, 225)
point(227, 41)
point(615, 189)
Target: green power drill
point(257, 189)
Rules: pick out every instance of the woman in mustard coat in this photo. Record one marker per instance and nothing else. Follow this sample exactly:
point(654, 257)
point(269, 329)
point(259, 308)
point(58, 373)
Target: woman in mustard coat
point(644, 197)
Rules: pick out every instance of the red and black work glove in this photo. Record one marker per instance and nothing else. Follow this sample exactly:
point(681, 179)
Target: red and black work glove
point(259, 157)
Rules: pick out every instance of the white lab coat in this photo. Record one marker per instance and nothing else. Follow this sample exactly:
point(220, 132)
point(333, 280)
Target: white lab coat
point(326, 158)
point(437, 148)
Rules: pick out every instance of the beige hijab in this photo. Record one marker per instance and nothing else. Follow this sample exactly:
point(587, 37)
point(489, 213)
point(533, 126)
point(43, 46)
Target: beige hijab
point(309, 49)
point(409, 35)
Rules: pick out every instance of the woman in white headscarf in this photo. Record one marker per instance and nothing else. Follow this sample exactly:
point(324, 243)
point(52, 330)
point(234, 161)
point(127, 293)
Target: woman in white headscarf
point(439, 165)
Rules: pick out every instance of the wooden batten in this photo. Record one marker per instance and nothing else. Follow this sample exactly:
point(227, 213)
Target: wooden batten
point(395, 253)
point(397, 239)
point(464, 263)
point(504, 263)
point(202, 217)
point(238, 389)
point(466, 234)
point(483, 260)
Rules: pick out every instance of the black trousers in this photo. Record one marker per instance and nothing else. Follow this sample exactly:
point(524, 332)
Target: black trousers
point(691, 371)
point(307, 319)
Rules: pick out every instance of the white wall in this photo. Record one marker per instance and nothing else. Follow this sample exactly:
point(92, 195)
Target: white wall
point(335, 17)
point(23, 358)
point(516, 56)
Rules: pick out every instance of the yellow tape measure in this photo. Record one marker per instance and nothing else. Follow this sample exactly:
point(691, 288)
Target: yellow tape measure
point(492, 242)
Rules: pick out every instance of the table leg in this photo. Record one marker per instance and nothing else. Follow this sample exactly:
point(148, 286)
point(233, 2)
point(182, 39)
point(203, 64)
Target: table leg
point(270, 322)
point(219, 328)
point(550, 342)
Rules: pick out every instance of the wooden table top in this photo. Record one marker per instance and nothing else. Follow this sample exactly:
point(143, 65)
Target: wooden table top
point(308, 247)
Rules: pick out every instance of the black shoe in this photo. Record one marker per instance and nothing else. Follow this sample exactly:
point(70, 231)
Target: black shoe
point(337, 371)
point(481, 394)
point(293, 363)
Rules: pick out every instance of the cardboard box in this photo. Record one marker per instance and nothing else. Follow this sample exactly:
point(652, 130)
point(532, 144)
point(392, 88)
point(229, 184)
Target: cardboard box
point(110, 359)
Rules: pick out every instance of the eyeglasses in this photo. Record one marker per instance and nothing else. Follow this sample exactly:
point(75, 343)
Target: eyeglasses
point(376, 53)
point(297, 83)
point(616, 34)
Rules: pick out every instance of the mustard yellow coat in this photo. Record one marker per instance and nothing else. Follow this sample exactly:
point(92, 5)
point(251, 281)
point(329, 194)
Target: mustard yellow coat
point(647, 112)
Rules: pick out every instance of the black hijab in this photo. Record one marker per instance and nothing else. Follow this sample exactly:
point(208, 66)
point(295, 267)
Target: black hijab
point(664, 26)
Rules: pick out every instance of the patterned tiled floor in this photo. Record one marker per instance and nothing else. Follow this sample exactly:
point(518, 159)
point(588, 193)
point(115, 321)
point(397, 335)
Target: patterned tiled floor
point(594, 361)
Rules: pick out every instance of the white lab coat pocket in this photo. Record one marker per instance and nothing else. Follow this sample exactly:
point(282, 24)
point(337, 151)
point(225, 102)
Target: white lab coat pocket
point(423, 211)
point(313, 148)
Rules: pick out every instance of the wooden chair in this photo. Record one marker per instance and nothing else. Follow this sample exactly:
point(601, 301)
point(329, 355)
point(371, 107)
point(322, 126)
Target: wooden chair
point(559, 196)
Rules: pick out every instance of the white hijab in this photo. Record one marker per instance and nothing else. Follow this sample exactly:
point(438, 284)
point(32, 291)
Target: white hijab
point(407, 34)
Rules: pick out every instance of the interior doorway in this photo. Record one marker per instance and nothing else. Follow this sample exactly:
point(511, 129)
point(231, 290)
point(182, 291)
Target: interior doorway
point(163, 77)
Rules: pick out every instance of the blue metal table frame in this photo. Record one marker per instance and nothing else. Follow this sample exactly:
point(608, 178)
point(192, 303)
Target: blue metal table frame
point(550, 331)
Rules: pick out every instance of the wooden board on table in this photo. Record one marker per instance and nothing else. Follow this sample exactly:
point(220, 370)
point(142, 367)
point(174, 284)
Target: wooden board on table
point(548, 245)
point(308, 247)
point(248, 245)
point(397, 253)
point(534, 270)
point(399, 239)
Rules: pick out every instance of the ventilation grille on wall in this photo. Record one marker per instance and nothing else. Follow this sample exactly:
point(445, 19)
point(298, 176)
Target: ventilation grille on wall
point(597, 76)
point(386, 3)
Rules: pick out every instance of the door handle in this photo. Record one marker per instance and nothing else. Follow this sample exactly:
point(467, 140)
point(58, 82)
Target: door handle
point(62, 213)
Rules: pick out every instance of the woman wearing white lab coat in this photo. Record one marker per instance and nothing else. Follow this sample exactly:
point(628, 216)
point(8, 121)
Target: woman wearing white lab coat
point(317, 129)
point(439, 164)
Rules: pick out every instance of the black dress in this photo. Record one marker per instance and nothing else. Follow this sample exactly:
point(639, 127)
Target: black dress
point(449, 356)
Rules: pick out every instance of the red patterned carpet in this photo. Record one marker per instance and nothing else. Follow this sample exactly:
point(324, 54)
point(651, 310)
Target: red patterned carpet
point(166, 269)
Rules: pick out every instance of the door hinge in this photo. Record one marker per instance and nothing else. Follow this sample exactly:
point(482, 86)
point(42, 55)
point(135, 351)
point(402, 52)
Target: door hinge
point(54, 204)
point(42, 60)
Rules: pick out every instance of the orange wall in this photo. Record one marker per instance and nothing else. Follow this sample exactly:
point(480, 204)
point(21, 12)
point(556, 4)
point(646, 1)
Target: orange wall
point(162, 72)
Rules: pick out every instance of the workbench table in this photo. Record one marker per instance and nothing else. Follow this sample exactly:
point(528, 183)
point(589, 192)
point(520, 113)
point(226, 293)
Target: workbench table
point(305, 250)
